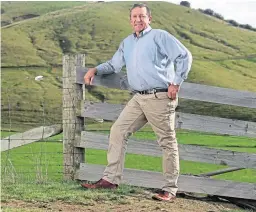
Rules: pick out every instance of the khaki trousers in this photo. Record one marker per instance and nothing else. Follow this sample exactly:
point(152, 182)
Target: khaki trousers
point(159, 111)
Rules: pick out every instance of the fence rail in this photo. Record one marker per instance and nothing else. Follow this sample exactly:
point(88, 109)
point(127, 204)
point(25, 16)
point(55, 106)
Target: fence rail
point(29, 136)
point(186, 152)
point(186, 183)
point(183, 120)
point(190, 91)
point(75, 140)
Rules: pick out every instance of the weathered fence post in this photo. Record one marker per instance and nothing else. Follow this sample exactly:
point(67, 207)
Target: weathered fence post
point(72, 125)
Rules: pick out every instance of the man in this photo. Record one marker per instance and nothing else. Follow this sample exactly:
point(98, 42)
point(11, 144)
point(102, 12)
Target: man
point(157, 64)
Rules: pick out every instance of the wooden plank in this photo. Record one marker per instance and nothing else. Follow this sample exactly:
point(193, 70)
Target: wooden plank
point(29, 136)
point(222, 171)
point(186, 183)
point(72, 125)
point(183, 120)
point(104, 111)
point(219, 95)
point(116, 80)
point(186, 152)
point(188, 90)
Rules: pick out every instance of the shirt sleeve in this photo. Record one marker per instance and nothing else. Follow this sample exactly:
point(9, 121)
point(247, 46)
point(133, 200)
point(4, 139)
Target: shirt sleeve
point(113, 65)
point(177, 53)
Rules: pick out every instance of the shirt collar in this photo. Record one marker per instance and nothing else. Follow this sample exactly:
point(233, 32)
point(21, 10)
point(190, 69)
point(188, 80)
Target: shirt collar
point(144, 32)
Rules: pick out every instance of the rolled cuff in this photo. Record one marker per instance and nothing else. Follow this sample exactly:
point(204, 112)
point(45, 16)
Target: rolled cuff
point(100, 69)
point(178, 80)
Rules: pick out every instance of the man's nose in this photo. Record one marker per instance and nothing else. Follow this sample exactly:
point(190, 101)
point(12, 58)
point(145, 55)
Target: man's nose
point(138, 18)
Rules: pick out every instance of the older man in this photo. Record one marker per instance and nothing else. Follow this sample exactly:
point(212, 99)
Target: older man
point(157, 63)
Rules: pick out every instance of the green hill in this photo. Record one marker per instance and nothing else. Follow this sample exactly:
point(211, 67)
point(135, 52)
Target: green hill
point(96, 29)
point(13, 11)
point(223, 55)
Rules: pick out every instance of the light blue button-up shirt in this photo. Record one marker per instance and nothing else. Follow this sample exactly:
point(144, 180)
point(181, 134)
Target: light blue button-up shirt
point(154, 59)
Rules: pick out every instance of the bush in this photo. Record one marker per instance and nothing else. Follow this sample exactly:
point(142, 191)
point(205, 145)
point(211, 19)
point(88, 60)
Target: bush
point(246, 26)
point(219, 16)
point(209, 12)
point(233, 22)
point(65, 44)
point(185, 4)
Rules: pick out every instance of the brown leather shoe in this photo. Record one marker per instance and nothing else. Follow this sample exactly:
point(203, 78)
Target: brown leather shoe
point(100, 184)
point(164, 196)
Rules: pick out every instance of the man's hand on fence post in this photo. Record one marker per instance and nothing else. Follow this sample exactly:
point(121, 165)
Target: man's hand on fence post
point(89, 76)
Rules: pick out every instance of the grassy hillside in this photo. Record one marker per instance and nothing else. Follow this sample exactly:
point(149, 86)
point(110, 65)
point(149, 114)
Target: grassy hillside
point(96, 29)
point(31, 47)
point(13, 12)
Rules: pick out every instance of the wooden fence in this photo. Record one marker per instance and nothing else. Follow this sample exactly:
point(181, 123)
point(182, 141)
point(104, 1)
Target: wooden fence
point(75, 109)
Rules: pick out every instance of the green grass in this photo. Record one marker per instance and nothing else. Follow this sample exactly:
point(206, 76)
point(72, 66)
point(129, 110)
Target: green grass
point(67, 192)
point(18, 9)
point(209, 140)
point(5, 134)
point(27, 101)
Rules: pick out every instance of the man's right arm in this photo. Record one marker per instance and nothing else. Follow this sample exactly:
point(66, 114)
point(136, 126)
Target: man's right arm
point(109, 67)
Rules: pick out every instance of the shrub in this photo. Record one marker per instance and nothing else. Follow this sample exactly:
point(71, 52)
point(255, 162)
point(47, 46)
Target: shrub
point(185, 4)
point(65, 44)
point(209, 12)
point(233, 22)
point(246, 26)
point(219, 16)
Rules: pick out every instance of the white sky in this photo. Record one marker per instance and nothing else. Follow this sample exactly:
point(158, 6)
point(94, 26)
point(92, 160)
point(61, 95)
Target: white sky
point(242, 11)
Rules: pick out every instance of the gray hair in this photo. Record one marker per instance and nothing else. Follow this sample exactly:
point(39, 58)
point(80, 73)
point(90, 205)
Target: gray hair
point(140, 5)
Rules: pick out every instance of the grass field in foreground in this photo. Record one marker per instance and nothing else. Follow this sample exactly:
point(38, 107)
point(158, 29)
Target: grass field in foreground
point(42, 161)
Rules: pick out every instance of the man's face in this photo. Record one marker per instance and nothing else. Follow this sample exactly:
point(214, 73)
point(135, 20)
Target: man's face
point(139, 19)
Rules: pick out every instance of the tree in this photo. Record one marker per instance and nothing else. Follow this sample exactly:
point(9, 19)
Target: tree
point(219, 16)
point(246, 26)
point(232, 22)
point(185, 4)
point(209, 12)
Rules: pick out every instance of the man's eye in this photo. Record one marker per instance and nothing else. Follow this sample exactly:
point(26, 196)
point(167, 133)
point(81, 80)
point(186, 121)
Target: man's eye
point(140, 16)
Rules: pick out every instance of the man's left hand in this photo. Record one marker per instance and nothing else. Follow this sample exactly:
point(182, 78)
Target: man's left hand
point(172, 91)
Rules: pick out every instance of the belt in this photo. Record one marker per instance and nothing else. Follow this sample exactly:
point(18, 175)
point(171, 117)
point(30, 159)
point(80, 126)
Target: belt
point(152, 91)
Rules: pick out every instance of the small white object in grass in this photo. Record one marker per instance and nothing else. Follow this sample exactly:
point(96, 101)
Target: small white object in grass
point(38, 78)
point(99, 120)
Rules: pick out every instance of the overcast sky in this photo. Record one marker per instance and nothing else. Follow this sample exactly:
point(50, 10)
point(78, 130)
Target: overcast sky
point(242, 11)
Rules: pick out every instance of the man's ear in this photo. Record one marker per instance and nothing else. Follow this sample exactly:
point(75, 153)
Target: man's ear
point(150, 19)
